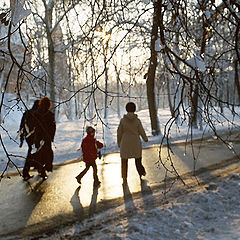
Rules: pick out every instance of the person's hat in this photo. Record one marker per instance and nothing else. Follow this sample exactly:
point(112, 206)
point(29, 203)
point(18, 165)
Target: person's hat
point(90, 130)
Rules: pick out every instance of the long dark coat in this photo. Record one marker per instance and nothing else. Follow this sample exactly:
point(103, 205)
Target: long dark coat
point(27, 131)
point(27, 127)
point(44, 135)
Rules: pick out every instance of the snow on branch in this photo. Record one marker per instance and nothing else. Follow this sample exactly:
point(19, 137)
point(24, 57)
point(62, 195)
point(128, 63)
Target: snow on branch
point(18, 12)
point(197, 62)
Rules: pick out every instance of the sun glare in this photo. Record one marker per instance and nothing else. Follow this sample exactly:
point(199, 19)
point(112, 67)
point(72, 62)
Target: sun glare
point(105, 36)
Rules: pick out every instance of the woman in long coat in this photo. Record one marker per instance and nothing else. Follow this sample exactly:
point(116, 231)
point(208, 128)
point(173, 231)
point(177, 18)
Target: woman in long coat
point(128, 138)
point(44, 136)
point(26, 132)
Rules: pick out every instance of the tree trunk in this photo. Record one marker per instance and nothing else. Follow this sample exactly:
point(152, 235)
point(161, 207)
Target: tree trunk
point(118, 91)
point(194, 107)
point(236, 79)
point(169, 98)
point(105, 49)
point(151, 72)
point(51, 54)
point(70, 115)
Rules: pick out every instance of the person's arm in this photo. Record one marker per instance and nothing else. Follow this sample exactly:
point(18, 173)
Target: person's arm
point(54, 130)
point(22, 121)
point(21, 129)
point(142, 132)
point(119, 133)
point(84, 146)
point(52, 126)
point(99, 144)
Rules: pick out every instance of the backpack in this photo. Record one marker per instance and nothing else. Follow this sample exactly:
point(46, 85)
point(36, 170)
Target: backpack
point(27, 128)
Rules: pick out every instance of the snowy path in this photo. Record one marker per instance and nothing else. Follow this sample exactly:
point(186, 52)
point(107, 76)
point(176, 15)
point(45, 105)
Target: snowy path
point(209, 211)
point(59, 200)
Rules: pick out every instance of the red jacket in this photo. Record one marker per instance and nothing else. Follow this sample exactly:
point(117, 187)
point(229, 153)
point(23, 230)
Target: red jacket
point(89, 148)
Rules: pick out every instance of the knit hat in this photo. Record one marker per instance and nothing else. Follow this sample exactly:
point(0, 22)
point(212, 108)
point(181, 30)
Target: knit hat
point(90, 130)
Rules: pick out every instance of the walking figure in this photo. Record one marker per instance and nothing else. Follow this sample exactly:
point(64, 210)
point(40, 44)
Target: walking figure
point(45, 128)
point(129, 142)
point(26, 132)
point(90, 148)
point(42, 129)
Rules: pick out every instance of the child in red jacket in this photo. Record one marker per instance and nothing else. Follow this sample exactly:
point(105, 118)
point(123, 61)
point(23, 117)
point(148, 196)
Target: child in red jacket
point(90, 148)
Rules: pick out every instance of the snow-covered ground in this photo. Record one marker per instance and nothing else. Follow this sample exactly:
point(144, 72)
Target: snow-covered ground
point(70, 133)
point(210, 212)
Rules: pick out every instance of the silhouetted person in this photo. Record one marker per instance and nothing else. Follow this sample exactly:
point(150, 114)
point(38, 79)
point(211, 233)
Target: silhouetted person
point(90, 148)
point(45, 128)
point(26, 131)
point(128, 132)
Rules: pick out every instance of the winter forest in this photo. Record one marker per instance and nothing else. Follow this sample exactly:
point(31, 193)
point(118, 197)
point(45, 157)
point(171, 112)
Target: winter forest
point(92, 57)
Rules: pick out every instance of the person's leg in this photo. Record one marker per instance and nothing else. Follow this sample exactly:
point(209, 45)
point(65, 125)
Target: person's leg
point(95, 176)
point(79, 176)
point(48, 156)
point(42, 171)
point(124, 169)
point(27, 164)
point(26, 169)
point(139, 166)
point(38, 161)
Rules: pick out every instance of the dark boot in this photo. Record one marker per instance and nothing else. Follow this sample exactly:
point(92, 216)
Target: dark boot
point(26, 169)
point(43, 174)
point(27, 177)
point(140, 168)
